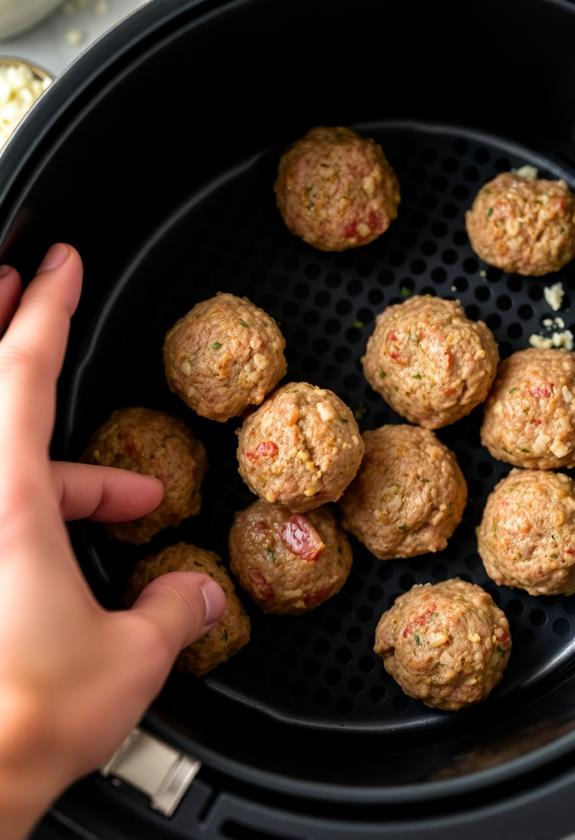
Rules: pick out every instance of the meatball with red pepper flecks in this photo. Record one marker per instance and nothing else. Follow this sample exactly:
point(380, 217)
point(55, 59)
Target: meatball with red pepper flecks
point(301, 448)
point(336, 189)
point(288, 563)
point(232, 631)
point(446, 644)
point(153, 443)
point(429, 361)
point(529, 418)
point(225, 355)
point(523, 224)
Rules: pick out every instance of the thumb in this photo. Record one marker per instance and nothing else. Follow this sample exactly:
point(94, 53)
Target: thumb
point(182, 606)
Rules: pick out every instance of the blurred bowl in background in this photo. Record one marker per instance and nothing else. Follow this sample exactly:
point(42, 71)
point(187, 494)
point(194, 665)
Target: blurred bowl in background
point(18, 15)
point(22, 83)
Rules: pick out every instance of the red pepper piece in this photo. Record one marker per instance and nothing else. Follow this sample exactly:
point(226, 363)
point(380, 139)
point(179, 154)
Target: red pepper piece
point(299, 535)
point(266, 449)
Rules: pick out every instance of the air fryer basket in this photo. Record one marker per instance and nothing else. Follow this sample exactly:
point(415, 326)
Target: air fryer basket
point(166, 215)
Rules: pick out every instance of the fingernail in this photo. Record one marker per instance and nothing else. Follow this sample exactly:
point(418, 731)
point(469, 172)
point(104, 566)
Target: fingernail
point(4, 270)
point(56, 256)
point(215, 601)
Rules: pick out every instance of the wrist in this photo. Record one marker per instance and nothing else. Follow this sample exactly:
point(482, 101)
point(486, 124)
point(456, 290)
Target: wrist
point(30, 778)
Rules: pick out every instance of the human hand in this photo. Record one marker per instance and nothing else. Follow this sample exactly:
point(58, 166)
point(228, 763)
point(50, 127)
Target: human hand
point(74, 678)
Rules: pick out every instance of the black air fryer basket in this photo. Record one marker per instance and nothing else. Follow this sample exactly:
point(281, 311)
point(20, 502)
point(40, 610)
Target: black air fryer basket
point(156, 156)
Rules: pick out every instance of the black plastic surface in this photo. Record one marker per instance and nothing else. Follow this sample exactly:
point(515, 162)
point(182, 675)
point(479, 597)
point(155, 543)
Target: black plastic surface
point(318, 669)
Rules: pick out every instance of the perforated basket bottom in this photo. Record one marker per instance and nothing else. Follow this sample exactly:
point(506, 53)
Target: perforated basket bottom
point(318, 669)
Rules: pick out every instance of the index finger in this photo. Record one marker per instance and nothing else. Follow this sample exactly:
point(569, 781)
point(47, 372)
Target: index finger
point(32, 350)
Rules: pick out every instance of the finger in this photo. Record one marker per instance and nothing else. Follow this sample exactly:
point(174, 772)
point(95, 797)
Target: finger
point(105, 494)
point(182, 606)
point(32, 350)
point(10, 290)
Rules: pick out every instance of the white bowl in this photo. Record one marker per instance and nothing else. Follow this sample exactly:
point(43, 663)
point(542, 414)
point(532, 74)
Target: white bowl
point(17, 15)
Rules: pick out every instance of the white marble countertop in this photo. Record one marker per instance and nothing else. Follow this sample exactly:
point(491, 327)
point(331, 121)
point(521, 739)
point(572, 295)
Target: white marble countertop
point(60, 38)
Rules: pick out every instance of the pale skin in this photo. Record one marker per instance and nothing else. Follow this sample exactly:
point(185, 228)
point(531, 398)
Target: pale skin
point(74, 678)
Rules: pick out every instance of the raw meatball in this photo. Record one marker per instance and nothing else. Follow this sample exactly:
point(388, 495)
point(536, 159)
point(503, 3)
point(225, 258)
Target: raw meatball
point(408, 496)
point(301, 448)
point(288, 563)
point(429, 362)
point(530, 414)
point(153, 443)
point(523, 225)
point(336, 189)
point(231, 632)
point(527, 534)
point(223, 356)
point(445, 644)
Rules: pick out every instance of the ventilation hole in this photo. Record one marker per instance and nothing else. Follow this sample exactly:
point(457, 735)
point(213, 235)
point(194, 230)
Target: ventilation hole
point(343, 605)
point(386, 277)
point(439, 229)
point(344, 706)
point(310, 667)
point(354, 288)
point(332, 625)
point(525, 312)
point(429, 201)
point(460, 147)
point(300, 637)
point(385, 572)
point(354, 635)
point(514, 607)
point(311, 318)
point(343, 655)
point(473, 561)
point(366, 664)
point(356, 685)
point(526, 637)
point(460, 284)
point(312, 271)
point(321, 697)
point(397, 258)
point(482, 293)
point(439, 183)
point(333, 326)
point(461, 192)
point(375, 593)
point(343, 307)
point(365, 269)
point(459, 238)
point(428, 248)
point(493, 275)
point(417, 267)
point(450, 210)
point(485, 469)
point(449, 165)
point(515, 331)
point(301, 290)
point(365, 316)
point(493, 321)
point(322, 646)
point(470, 265)
point(321, 345)
point(408, 239)
point(472, 312)
point(378, 694)
point(365, 613)
point(561, 627)
point(535, 293)
point(537, 618)
point(481, 155)
point(375, 297)
point(439, 571)
point(429, 155)
point(449, 256)
point(471, 173)
point(299, 689)
point(439, 275)
point(514, 284)
point(290, 309)
point(503, 164)
point(333, 280)
point(342, 354)
point(503, 302)
point(419, 220)
point(333, 676)
point(401, 702)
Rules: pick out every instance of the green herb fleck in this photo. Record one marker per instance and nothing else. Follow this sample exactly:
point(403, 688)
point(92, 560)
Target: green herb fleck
point(405, 291)
point(528, 451)
point(358, 325)
point(416, 376)
point(435, 615)
point(343, 419)
point(360, 412)
point(243, 323)
point(512, 390)
point(554, 556)
point(489, 212)
point(507, 450)
point(424, 480)
point(225, 635)
point(216, 345)
point(500, 650)
point(494, 529)
point(382, 373)
point(270, 553)
point(404, 528)
point(416, 639)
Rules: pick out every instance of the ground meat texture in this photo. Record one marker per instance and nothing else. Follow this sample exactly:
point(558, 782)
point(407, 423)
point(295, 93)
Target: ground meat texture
point(530, 413)
point(523, 225)
point(527, 533)
point(301, 448)
point(225, 355)
point(408, 496)
point(446, 644)
point(153, 443)
point(288, 563)
point(336, 189)
point(429, 361)
point(229, 635)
